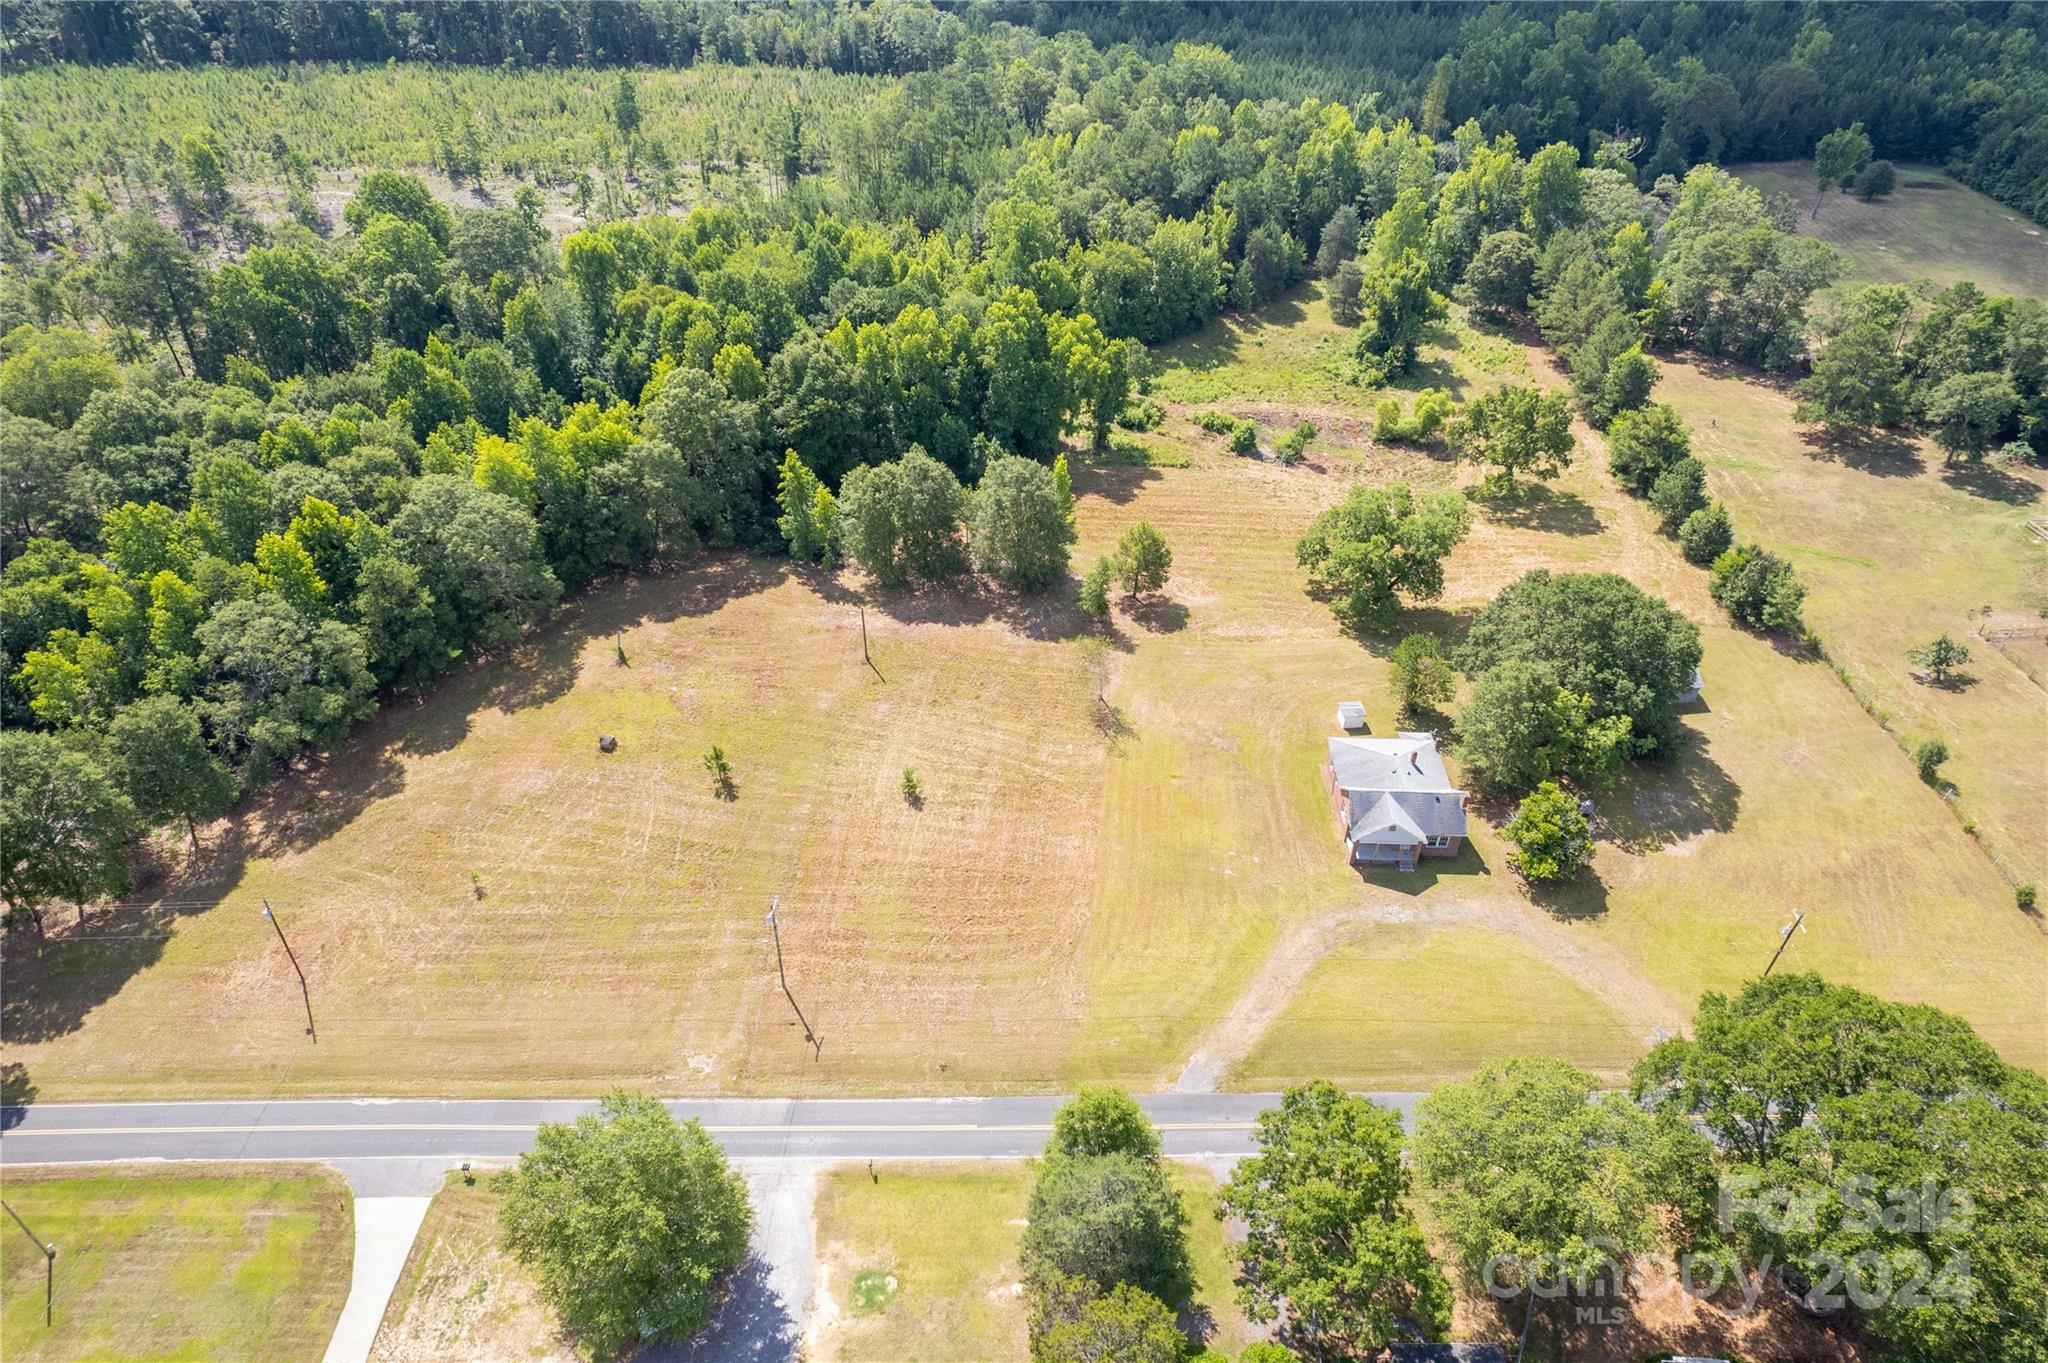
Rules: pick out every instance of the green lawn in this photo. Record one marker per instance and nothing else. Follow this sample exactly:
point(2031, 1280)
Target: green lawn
point(1407, 1004)
point(186, 1264)
point(920, 1264)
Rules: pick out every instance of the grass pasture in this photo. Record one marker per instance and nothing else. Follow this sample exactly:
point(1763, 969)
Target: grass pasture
point(190, 1263)
point(1895, 548)
point(1124, 858)
point(1930, 226)
point(941, 1242)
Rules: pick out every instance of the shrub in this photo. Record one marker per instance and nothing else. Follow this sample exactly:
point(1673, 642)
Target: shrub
point(1757, 588)
point(1433, 408)
point(1244, 437)
point(1141, 414)
point(1875, 180)
point(1679, 491)
point(1552, 839)
point(1422, 677)
point(1706, 534)
point(1294, 444)
point(913, 789)
point(1215, 422)
point(2023, 896)
point(1095, 587)
point(1928, 757)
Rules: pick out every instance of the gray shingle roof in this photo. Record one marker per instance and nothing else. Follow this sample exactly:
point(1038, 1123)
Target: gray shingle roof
point(1400, 792)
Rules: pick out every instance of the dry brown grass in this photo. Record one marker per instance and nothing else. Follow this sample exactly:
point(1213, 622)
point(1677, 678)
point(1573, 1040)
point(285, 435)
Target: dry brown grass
point(1119, 828)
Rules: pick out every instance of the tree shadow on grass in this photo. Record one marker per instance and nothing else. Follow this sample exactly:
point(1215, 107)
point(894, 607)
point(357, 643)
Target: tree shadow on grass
point(54, 982)
point(543, 666)
point(1157, 614)
point(1659, 805)
point(1991, 483)
point(1447, 627)
point(17, 1094)
point(1532, 506)
point(1879, 453)
point(1118, 484)
point(1583, 896)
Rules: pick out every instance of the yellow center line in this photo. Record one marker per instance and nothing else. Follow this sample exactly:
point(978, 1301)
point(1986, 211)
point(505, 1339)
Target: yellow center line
point(318, 1128)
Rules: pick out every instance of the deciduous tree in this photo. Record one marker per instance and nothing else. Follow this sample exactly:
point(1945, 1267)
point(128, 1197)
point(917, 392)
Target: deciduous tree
point(1379, 543)
point(630, 1222)
point(1328, 1235)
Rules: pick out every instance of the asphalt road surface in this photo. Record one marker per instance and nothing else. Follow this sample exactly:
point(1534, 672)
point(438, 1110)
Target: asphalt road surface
point(402, 1147)
point(823, 1129)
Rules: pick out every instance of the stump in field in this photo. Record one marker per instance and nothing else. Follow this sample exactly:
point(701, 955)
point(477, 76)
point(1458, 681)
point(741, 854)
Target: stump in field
point(607, 744)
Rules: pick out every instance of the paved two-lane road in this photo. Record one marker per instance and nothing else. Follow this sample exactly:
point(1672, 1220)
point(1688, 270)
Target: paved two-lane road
point(810, 1129)
point(395, 1153)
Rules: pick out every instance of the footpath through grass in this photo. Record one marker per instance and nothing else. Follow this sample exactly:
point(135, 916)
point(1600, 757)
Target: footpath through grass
point(194, 1263)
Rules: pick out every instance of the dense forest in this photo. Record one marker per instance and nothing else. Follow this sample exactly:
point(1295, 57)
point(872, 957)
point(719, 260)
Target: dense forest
point(1965, 85)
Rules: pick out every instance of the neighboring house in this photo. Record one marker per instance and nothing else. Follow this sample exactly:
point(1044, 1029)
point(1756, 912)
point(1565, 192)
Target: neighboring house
point(1395, 803)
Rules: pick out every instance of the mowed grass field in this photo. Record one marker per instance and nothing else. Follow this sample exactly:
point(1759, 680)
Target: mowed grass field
point(1896, 547)
point(1929, 227)
point(192, 1263)
point(1124, 857)
point(920, 1264)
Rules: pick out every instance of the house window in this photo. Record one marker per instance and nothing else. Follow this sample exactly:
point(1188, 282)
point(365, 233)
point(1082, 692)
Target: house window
point(1439, 842)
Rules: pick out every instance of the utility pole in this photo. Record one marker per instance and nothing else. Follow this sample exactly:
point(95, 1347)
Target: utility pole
point(293, 957)
point(810, 1039)
point(862, 608)
point(49, 1263)
point(1798, 924)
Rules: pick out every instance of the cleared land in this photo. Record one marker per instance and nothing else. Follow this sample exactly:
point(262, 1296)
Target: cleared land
point(222, 1262)
point(1930, 226)
point(1896, 547)
point(1119, 830)
point(463, 1297)
point(921, 1265)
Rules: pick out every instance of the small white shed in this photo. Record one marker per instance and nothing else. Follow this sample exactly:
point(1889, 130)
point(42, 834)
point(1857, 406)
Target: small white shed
point(1351, 715)
point(1692, 693)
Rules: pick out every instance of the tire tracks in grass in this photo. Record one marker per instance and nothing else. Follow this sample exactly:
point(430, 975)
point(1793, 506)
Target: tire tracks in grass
point(1645, 1008)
